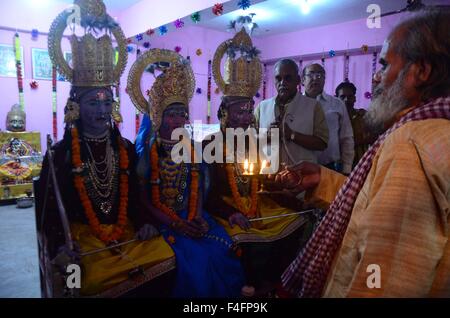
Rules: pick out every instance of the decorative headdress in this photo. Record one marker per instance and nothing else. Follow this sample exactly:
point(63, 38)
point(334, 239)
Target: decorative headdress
point(243, 75)
point(93, 59)
point(175, 84)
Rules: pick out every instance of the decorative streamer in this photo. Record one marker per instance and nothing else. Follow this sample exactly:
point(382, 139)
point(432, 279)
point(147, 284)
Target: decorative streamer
point(368, 95)
point(19, 70)
point(54, 104)
point(300, 69)
point(137, 116)
point(118, 119)
point(265, 82)
point(117, 89)
point(323, 58)
point(208, 116)
point(346, 66)
point(374, 63)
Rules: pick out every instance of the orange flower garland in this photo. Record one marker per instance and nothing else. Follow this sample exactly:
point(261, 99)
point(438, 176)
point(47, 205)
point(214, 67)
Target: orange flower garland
point(251, 212)
point(94, 223)
point(156, 197)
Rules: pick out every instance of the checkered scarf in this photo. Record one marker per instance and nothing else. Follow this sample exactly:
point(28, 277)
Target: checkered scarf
point(307, 274)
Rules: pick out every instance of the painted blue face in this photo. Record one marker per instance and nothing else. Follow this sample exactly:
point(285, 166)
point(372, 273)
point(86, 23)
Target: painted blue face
point(95, 111)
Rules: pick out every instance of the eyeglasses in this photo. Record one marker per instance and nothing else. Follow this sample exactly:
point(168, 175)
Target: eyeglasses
point(313, 75)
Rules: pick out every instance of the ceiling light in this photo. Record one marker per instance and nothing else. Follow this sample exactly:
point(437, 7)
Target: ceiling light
point(305, 7)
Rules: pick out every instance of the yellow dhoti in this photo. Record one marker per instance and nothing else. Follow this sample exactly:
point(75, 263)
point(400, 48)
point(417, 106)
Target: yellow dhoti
point(266, 230)
point(105, 272)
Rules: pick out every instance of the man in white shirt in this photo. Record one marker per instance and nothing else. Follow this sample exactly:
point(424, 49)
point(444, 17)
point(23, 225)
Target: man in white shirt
point(340, 151)
point(302, 123)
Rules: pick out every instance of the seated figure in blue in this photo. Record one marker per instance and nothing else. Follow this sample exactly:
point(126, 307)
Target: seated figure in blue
point(207, 263)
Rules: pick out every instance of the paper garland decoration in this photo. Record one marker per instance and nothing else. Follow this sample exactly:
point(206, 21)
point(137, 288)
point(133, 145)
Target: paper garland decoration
point(346, 66)
point(54, 104)
point(178, 23)
point(300, 69)
point(195, 17)
point(364, 48)
point(34, 85)
point(18, 54)
point(265, 81)
point(34, 34)
point(244, 4)
point(162, 30)
point(208, 116)
point(137, 115)
point(368, 95)
point(217, 9)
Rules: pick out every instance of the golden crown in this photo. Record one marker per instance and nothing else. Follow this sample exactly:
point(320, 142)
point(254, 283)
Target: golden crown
point(93, 59)
point(243, 75)
point(175, 84)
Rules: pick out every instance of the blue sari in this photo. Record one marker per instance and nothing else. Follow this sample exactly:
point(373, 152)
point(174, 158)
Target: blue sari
point(206, 266)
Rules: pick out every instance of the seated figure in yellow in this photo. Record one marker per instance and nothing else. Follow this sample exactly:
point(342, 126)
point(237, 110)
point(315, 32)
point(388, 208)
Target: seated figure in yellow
point(236, 199)
point(95, 172)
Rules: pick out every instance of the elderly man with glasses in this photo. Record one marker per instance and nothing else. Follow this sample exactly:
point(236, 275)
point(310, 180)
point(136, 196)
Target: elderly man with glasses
point(340, 151)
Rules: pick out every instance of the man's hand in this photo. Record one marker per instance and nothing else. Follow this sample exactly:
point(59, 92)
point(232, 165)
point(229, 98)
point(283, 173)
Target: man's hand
point(147, 232)
point(304, 176)
point(239, 219)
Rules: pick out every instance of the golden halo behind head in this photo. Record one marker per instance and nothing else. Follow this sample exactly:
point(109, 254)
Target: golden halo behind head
point(93, 59)
point(242, 77)
point(175, 85)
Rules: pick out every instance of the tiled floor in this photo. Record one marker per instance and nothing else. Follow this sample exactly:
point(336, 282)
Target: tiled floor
point(19, 269)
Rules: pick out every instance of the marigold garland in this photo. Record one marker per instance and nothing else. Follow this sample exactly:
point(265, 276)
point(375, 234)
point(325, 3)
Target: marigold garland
point(94, 223)
point(156, 196)
point(251, 212)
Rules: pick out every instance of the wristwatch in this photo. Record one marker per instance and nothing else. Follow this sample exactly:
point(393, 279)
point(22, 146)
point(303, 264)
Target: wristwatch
point(292, 136)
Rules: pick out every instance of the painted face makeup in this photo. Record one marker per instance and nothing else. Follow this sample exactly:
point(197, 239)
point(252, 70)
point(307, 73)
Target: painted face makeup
point(95, 111)
point(175, 116)
point(240, 115)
